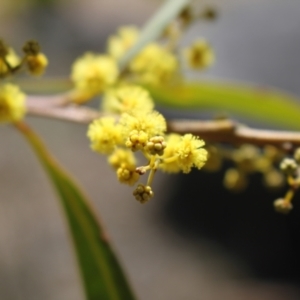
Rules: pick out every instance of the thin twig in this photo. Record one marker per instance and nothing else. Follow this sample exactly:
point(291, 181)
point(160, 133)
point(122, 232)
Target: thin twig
point(48, 101)
point(73, 113)
point(220, 131)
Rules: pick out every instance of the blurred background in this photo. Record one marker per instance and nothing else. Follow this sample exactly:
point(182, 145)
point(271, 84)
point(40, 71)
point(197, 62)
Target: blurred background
point(194, 240)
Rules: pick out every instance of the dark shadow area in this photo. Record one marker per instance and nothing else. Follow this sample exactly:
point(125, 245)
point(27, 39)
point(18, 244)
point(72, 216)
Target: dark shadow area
point(244, 224)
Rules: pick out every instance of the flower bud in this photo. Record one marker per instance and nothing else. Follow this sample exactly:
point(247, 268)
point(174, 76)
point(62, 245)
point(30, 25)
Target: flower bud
point(143, 193)
point(288, 166)
point(282, 206)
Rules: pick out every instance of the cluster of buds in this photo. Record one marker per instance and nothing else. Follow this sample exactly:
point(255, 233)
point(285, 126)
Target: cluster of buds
point(33, 59)
point(247, 160)
point(199, 54)
point(95, 73)
point(137, 127)
point(156, 64)
point(142, 130)
point(12, 99)
point(290, 168)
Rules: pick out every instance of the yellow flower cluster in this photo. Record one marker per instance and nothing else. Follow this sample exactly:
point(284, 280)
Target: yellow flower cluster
point(140, 128)
point(93, 73)
point(127, 98)
point(154, 65)
point(105, 135)
point(12, 103)
point(12, 100)
point(182, 153)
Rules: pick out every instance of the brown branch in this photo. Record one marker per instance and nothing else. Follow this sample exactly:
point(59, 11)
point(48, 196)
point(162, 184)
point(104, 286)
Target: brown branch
point(227, 131)
point(71, 113)
point(46, 101)
point(220, 131)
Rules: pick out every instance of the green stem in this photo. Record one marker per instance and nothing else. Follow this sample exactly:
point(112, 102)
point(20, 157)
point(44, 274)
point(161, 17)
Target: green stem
point(154, 166)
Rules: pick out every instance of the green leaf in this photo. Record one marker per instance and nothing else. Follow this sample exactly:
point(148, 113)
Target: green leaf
point(154, 27)
point(102, 275)
point(254, 102)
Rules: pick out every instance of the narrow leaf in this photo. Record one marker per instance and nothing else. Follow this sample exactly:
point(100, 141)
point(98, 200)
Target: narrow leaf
point(154, 27)
point(254, 102)
point(102, 275)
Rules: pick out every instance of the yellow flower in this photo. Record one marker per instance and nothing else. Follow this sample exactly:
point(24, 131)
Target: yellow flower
point(127, 174)
point(121, 42)
point(139, 127)
point(92, 73)
point(190, 153)
point(154, 65)
point(12, 103)
point(37, 63)
point(127, 98)
point(169, 160)
point(13, 60)
point(199, 55)
point(104, 135)
point(123, 161)
point(182, 153)
point(152, 123)
point(121, 156)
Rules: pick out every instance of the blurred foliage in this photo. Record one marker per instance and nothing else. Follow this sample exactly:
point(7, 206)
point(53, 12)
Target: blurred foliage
point(258, 103)
point(102, 275)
